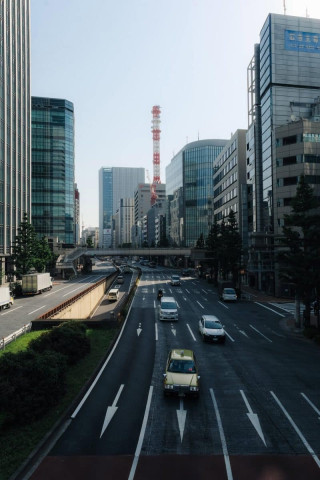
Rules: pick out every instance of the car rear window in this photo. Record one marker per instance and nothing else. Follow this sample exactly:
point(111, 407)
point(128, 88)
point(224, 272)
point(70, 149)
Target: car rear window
point(212, 324)
point(182, 366)
point(168, 306)
point(229, 291)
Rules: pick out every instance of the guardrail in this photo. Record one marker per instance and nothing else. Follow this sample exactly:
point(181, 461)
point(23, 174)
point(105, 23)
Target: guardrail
point(10, 338)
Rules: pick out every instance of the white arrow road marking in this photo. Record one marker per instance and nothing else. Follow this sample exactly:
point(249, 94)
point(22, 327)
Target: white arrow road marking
point(254, 419)
point(173, 330)
point(311, 404)
point(194, 338)
point(181, 414)
point(260, 333)
point(304, 441)
point(139, 329)
point(222, 437)
point(111, 411)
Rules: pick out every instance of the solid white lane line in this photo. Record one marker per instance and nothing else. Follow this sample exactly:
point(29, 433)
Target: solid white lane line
point(268, 308)
point(260, 333)
point(222, 437)
point(304, 441)
point(40, 308)
point(102, 368)
point(141, 437)
point(156, 331)
point(194, 338)
point(200, 304)
point(311, 404)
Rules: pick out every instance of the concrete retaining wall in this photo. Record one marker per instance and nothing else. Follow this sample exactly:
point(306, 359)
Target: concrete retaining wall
point(85, 306)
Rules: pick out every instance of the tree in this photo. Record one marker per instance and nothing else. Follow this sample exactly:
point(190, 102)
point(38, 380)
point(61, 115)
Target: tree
point(89, 242)
point(200, 242)
point(28, 251)
point(232, 243)
point(299, 260)
point(213, 246)
point(43, 255)
point(25, 247)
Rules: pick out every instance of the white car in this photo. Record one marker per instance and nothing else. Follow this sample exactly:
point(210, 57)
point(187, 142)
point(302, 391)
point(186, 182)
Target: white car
point(175, 280)
point(229, 295)
point(211, 329)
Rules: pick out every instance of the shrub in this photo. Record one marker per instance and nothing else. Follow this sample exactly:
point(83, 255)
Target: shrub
point(68, 338)
point(30, 383)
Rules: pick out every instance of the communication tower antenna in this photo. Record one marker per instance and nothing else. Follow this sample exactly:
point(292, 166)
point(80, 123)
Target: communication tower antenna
point(156, 151)
point(284, 7)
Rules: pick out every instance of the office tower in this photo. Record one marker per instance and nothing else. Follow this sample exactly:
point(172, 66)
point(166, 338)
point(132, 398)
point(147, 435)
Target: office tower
point(53, 194)
point(283, 135)
point(230, 187)
point(114, 183)
point(15, 123)
point(191, 171)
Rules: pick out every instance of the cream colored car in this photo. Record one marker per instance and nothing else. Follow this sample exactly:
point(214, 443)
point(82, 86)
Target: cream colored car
point(181, 376)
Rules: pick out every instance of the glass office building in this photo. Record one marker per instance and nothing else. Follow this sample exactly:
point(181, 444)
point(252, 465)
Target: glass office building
point(115, 183)
point(192, 169)
point(286, 87)
point(283, 90)
point(53, 199)
point(15, 122)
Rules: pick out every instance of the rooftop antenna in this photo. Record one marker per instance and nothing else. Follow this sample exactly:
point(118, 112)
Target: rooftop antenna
point(307, 14)
point(284, 7)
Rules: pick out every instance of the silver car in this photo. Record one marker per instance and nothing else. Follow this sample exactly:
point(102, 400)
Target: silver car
point(211, 329)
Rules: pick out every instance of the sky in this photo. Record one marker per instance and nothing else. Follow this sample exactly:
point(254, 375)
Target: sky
point(116, 59)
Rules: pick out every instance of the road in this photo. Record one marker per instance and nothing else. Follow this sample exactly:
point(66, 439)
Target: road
point(27, 308)
point(257, 416)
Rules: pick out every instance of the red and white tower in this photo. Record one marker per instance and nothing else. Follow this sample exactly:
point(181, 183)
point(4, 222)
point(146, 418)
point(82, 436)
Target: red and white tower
point(156, 151)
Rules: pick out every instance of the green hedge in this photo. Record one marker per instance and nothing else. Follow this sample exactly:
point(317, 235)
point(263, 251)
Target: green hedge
point(68, 338)
point(30, 383)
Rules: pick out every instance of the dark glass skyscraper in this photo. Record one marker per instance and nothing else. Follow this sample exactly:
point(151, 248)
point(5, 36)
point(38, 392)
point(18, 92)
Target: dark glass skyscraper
point(53, 208)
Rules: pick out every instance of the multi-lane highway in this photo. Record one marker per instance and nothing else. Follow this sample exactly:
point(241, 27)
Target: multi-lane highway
point(257, 416)
point(27, 308)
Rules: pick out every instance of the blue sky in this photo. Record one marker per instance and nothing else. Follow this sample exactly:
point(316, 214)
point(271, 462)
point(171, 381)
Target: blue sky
point(116, 59)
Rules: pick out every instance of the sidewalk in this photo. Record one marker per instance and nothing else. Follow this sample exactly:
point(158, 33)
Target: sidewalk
point(258, 296)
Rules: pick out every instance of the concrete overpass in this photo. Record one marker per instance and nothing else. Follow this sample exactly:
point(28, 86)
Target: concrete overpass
point(68, 261)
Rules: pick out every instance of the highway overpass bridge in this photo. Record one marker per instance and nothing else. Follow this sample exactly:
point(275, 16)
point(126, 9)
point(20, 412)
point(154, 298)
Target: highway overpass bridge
point(69, 260)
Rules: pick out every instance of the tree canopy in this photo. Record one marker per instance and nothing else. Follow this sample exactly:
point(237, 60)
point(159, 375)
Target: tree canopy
point(28, 251)
point(299, 258)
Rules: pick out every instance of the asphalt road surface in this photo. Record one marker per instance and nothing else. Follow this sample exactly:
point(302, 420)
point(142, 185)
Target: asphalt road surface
point(257, 416)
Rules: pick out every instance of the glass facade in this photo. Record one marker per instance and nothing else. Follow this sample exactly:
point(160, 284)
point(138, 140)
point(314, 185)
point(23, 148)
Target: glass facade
point(115, 183)
point(289, 86)
point(53, 201)
point(192, 169)
point(15, 120)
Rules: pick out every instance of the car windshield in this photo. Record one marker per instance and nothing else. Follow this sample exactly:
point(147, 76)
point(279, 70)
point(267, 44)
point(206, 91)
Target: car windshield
point(168, 306)
point(229, 291)
point(182, 366)
point(212, 324)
